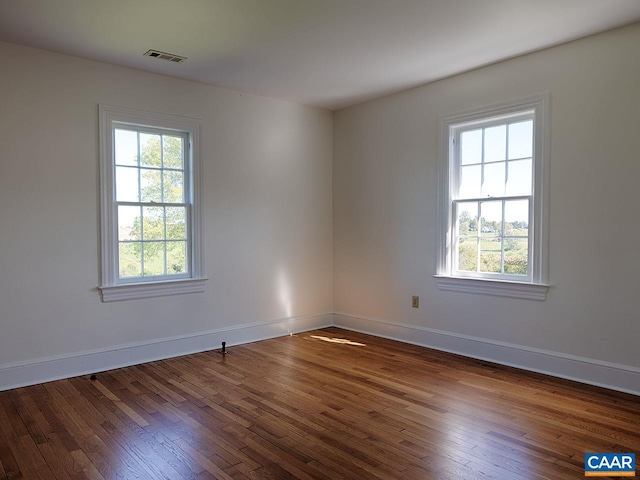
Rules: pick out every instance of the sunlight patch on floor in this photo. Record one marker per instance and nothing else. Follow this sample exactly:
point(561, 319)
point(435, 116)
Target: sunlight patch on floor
point(343, 341)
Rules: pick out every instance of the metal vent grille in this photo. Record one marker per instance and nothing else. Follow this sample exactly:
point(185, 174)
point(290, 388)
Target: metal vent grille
point(170, 57)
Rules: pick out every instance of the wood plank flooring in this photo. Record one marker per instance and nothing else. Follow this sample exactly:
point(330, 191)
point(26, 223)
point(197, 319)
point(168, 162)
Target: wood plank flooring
point(329, 404)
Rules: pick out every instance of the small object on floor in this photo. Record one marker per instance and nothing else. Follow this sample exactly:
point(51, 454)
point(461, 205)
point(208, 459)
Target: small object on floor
point(223, 351)
point(93, 377)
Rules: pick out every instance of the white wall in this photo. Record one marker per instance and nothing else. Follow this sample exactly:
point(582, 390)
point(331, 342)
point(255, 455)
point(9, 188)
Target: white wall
point(385, 192)
point(267, 187)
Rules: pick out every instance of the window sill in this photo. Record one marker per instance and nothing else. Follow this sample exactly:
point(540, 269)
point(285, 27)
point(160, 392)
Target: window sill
point(529, 291)
point(131, 291)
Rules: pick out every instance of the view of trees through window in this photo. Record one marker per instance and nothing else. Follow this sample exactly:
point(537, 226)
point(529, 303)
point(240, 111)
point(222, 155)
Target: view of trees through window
point(496, 244)
point(151, 207)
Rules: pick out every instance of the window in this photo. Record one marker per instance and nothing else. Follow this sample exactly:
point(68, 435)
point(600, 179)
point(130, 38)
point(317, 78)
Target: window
point(493, 208)
point(151, 227)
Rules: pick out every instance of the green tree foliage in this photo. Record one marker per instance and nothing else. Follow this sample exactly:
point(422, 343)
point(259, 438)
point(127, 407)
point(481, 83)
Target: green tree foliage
point(464, 222)
point(515, 249)
point(467, 225)
point(467, 255)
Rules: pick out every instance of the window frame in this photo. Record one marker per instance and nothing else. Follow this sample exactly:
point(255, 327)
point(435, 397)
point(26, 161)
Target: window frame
point(534, 285)
point(112, 287)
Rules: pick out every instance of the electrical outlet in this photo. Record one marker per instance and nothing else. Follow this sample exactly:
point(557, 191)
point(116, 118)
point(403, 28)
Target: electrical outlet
point(415, 301)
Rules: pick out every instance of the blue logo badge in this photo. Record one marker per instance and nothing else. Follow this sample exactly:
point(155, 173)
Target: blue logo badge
point(610, 464)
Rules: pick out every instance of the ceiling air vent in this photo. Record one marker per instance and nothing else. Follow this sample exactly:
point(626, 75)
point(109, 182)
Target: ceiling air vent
point(170, 57)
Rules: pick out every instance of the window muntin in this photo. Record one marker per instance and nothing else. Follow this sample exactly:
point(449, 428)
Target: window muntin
point(492, 195)
point(151, 219)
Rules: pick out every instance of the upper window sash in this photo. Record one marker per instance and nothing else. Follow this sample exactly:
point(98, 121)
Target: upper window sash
point(455, 162)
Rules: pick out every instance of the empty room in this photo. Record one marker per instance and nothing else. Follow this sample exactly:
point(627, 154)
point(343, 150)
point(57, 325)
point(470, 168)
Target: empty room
point(319, 239)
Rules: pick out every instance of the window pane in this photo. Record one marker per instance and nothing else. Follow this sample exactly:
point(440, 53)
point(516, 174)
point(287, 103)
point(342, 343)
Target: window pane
point(521, 140)
point(468, 219)
point(471, 147)
point(126, 147)
point(519, 177)
point(126, 184)
point(495, 143)
point(468, 254)
point(153, 223)
point(493, 182)
point(470, 182)
point(491, 255)
point(176, 258)
point(172, 152)
point(150, 155)
point(173, 186)
point(491, 218)
point(516, 218)
point(153, 258)
point(130, 259)
point(151, 185)
point(516, 256)
point(129, 223)
point(176, 223)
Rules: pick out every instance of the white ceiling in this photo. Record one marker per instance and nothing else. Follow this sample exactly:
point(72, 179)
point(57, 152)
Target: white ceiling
point(326, 53)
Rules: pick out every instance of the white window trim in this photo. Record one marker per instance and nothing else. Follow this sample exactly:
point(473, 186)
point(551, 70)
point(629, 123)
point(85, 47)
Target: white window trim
point(537, 288)
point(113, 290)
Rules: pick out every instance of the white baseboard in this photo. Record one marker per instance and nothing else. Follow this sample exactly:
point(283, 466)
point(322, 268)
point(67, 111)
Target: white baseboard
point(42, 370)
point(614, 376)
point(623, 378)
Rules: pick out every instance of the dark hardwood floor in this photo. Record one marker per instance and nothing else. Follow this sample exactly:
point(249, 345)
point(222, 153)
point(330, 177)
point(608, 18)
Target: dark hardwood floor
point(324, 404)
